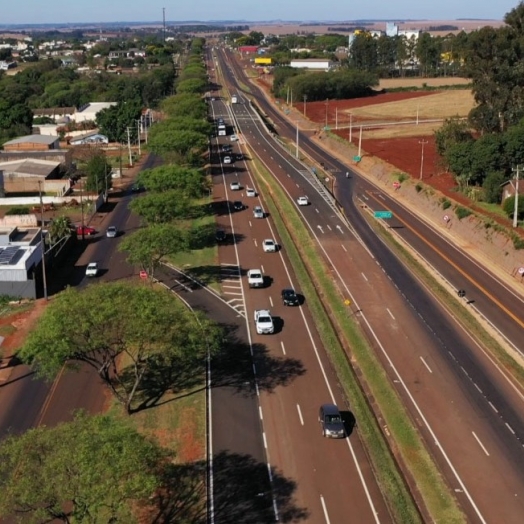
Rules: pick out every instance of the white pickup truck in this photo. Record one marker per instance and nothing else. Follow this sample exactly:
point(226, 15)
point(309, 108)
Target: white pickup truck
point(255, 278)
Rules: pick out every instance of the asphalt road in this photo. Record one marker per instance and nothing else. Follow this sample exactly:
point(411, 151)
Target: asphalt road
point(464, 405)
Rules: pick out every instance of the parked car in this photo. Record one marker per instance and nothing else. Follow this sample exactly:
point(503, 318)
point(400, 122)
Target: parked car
point(233, 138)
point(92, 269)
point(226, 148)
point(220, 235)
point(85, 230)
point(258, 212)
point(264, 322)
point(250, 192)
point(269, 245)
point(111, 232)
point(227, 160)
point(289, 297)
point(235, 186)
point(303, 201)
point(238, 205)
point(331, 421)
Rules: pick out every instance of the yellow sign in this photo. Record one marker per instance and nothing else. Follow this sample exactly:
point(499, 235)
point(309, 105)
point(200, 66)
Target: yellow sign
point(266, 61)
point(347, 302)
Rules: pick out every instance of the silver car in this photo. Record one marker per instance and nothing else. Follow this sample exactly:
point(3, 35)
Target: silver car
point(258, 212)
point(111, 232)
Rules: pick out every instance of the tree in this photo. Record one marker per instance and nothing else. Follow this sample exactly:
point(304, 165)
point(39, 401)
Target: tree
point(121, 330)
point(98, 171)
point(59, 228)
point(84, 471)
point(492, 186)
point(114, 121)
point(189, 182)
point(509, 207)
point(164, 207)
point(185, 147)
point(148, 246)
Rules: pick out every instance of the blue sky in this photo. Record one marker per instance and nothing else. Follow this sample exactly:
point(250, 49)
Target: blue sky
point(39, 11)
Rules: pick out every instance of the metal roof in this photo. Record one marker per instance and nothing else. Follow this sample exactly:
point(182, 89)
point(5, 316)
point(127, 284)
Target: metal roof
point(29, 167)
point(33, 139)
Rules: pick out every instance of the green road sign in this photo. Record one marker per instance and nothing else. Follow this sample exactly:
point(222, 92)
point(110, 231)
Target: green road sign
point(357, 158)
point(383, 214)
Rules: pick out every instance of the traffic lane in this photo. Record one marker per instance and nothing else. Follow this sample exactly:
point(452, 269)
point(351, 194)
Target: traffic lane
point(280, 404)
point(436, 383)
point(490, 296)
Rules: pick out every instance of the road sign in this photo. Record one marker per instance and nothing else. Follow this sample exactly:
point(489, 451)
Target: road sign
point(383, 214)
point(357, 158)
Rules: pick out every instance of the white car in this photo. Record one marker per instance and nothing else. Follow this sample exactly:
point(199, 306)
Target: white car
point(303, 201)
point(264, 322)
point(250, 192)
point(269, 245)
point(255, 278)
point(111, 232)
point(227, 160)
point(92, 269)
point(233, 138)
point(235, 186)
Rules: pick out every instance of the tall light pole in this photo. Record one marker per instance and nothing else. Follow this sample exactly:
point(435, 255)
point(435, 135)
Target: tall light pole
point(422, 143)
point(327, 105)
point(336, 117)
point(360, 141)
point(516, 170)
point(297, 141)
point(350, 127)
point(305, 100)
point(42, 239)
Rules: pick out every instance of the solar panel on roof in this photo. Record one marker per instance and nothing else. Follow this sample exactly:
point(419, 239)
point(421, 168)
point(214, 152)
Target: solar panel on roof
point(8, 254)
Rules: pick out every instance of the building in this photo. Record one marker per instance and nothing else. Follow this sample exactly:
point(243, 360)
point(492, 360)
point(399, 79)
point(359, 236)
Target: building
point(63, 156)
point(509, 190)
point(32, 143)
point(248, 49)
point(89, 138)
point(31, 176)
point(55, 113)
point(315, 64)
point(89, 111)
point(20, 261)
point(4, 65)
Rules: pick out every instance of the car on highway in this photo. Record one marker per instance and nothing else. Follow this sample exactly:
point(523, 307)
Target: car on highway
point(255, 278)
point(234, 186)
point(269, 245)
point(220, 235)
point(238, 205)
point(111, 232)
point(239, 156)
point(233, 138)
point(331, 421)
point(92, 269)
point(264, 322)
point(250, 192)
point(303, 201)
point(85, 230)
point(226, 148)
point(227, 160)
point(289, 297)
point(258, 212)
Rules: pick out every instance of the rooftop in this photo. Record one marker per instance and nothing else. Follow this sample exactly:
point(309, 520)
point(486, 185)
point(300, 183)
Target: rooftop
point(30, 165)
point(33, 139)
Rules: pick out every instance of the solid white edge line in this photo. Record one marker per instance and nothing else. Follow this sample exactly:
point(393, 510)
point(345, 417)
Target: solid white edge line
point(326, 515)
point(480, 443)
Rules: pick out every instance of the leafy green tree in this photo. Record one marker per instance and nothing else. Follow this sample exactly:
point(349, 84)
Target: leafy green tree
point(148, 246)
point(454, 130)
point(114, 121)
point(162, 208)
point(59, 228)
point(192, 85)
point(459, 158)
point(189, 182)
point(89, 470)
point(98, 173)
point(120, 329)
point(509, 207)
point(363, 52)
point(185, 105)
point(184, 147)
point(492, 186)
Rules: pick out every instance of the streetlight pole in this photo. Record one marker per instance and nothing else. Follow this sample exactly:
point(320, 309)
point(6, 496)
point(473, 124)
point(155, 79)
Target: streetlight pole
point(297, 141)
point(516, 208)
point(360, 141)
point(336, 117)
point(327, 105)
point(138, 137)
point(42, 239)
point(305, 100)
point(422, 143)
point(350, 127)
point(129, 147)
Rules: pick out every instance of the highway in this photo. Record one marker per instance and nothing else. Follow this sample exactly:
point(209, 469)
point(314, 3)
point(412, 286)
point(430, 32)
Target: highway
point(465, 406)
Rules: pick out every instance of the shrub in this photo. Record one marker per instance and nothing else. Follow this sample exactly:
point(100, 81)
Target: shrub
point(402, 177)
point(18, 210)
point(446, 203)
point(418, 188)
point(518, 242)
point(462, 212)
point(509, 207)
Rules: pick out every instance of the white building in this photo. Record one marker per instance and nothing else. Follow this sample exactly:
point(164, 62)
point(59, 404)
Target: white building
point(315, 64)
point(89, 111)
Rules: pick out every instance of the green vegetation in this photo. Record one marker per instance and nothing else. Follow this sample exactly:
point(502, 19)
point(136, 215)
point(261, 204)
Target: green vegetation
point(18, 210)
point(437, 498)
point(462, 212)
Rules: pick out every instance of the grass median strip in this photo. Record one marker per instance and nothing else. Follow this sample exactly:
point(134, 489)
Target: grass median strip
point(314, 280)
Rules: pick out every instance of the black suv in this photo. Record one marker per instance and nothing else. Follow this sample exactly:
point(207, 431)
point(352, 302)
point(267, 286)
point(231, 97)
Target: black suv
point(237, 205)
point(220, 235)
point(289, 297)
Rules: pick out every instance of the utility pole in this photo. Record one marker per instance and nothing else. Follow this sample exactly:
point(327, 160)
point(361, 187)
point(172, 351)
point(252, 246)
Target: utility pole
point(360, 141)
point(138, 139)
point(129, 147)
point(350, 127)
point(327, 105)
point(516, 170)
point(297, 141)
point(164, 25)
point(291, 97)
point(305, 100)
point(42, 239)
point(336, 117)
point(422, 143)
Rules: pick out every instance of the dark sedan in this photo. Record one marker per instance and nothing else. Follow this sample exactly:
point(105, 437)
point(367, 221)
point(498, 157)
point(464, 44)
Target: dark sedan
point(289, 297)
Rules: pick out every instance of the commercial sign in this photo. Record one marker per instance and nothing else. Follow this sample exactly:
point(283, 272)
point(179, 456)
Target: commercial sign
point(263, 61)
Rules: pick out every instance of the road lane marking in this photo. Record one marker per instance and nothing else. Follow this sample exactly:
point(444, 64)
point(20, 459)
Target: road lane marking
point(329, 227)
point(255, 243)
point(300, 415)
point(50, 396)
point(390, 314)
point(271, 301)
point(480, 444)
point(262, 269)
point(426, 364)
point(365, 277)
point(260, 413)
point(509, 427)
point(264, 438)
point(493, 407)
point(344, 248)
point(250, 225)
point(317, 210)
point(479, 390)
point(326, 515)
point(283, 348)
point(297, 185)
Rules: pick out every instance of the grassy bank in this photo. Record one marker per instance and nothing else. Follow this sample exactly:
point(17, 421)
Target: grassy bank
point(437, 499)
